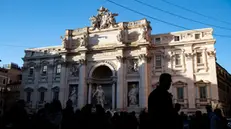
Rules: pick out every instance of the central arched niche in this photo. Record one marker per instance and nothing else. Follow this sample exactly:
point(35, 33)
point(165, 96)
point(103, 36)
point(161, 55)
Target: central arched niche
point(102, 72)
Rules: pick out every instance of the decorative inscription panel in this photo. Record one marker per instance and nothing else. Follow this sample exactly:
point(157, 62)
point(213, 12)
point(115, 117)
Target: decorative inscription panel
point(103, 38)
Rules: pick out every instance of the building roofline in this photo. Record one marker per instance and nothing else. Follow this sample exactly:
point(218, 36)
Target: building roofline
point(39, 48)
point(222, 68)
point(186, 31)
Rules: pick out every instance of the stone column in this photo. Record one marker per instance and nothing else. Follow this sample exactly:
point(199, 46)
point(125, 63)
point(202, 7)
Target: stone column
point(89, 93)
point(82, 88)
point(120, 83)
point(144, 81)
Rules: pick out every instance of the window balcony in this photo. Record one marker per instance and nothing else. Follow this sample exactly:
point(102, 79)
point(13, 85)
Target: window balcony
point(182, 102)
point(29, 104)
point(202, 102)
point(40, 104)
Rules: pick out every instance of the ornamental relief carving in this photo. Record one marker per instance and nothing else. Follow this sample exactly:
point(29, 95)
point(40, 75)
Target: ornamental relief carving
point(74, 69)
point(211, 53)
point(132, 65)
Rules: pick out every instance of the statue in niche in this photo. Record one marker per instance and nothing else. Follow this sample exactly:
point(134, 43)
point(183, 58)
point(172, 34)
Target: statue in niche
point(73, 96)
point(99, 95)
point(75, 70)
point(103, 19)
point(83, 41)
point(135, 66)
point(132, 95)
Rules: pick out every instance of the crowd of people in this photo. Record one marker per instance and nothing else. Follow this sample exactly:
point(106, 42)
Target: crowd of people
point(160, 114)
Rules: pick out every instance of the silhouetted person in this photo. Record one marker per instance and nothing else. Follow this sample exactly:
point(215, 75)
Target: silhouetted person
point(41, 120)
point(55, 115)
point(68, 116)
point(198, 121)
point(160, 106)
point(218, 121)
point(179, 118)
point(144, 119)
point(210, 116)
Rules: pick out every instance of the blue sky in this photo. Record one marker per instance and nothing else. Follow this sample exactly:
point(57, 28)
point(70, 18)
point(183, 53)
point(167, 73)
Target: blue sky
point(37, 23)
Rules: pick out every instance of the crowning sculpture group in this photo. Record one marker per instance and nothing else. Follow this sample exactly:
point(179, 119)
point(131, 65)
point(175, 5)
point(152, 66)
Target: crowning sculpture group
point(103, 19)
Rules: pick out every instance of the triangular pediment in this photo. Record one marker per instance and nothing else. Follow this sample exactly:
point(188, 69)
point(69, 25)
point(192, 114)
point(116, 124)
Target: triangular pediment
point(42, 89)
point(179, 83)
point(28, 89)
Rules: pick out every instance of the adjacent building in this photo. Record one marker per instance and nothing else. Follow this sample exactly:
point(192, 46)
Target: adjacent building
point(117, 65)
point(10, 85)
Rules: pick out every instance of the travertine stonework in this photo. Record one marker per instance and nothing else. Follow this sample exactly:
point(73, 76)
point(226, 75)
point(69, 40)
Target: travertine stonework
point(124, 58)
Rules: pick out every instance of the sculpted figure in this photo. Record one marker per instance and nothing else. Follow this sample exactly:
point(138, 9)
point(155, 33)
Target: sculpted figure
point(83, 41)
point(75, 70)
point(94, 22)
point(99, 95)
point(135, 66)
point(111, 19)
point(103, 19)
point(73, 95)
point(133, 95)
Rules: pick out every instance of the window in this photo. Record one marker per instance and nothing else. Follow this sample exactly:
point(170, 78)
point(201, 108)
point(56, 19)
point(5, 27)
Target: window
point(4, 81)
point(176, 38)
point(56, 95)
point(177, 59)
point(158, 61)
point(157, 40)
point(180, 92)
point(58, 69)
point(197, 36)
point(42, 96)
point(31, 71)
point(199, 58)
point(203, 92)
point(44, 70)
point(28, 96)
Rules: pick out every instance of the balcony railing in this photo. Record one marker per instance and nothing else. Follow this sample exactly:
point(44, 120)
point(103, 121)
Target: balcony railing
point(40, 104)
point(202, 102)
point(29, 104)
point(182, 102)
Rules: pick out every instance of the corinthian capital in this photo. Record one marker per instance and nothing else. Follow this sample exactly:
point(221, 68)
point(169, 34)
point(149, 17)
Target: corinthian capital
point(144, 57)
point(82, 61)
point(120, 59)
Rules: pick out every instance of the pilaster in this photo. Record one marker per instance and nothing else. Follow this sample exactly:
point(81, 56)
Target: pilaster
point(144, 80)
point(82, 88)
point(120, 83)
point(190, 78)
point(63, 84)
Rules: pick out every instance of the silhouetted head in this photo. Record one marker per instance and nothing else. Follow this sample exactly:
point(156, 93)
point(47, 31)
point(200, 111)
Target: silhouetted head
point(198, 114)
point(209, 108)
point(177, 107)
point(218, 112)
point(69, 103)
point(165, 81)
point(47, 105)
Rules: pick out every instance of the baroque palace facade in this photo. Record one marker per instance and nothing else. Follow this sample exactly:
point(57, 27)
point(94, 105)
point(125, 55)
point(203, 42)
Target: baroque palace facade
point(117, 65)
